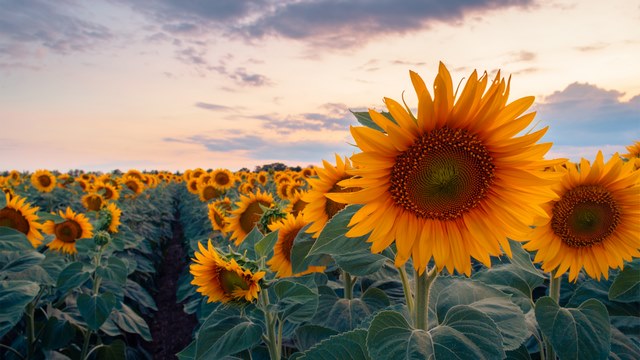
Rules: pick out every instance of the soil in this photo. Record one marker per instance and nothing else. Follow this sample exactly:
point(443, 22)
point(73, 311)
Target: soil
point(171, 328)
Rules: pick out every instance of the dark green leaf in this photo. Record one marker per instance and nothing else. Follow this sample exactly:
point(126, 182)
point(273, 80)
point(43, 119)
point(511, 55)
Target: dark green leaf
point(582, 333)
point(226, 337)
point(309, 335)
point(20, 261)
point(348, 314)
point(96, 309)
point(296, 302)
point(361, 263)
point(188, 353)
point(249, 243)
point(14, 297)
point(115, 270)
point(57, 333)
point(333, 241)
point(622, 347)
point(520, 353)
point(302, 243)
point(265, 246)
point(134, 291)
point(13, 240)
point(129, 321)
point(626, 286)
point(114, 351)
point(364, 118)
point(72, 276)
point(350, 345)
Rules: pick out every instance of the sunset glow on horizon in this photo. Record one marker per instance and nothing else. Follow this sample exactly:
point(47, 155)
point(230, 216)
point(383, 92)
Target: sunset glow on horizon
point(173, 85)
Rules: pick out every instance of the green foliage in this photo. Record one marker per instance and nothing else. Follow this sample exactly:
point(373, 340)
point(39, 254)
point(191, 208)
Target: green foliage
point(14, 297)
point(95, 309)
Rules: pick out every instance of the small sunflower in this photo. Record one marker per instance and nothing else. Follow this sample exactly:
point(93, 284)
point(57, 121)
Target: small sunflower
point(223, 179)
point(107, 190)
point(308, 172)
point(247, 215)
point(634, 154)
point(246, 188)
point(84, 185)
point(43, 181)
point(93, 201)
point(296, 204)
point(114, 217)
point(218, 218)
point(282, 189)
point(224, 204)
point(222, 280)
point(263, 177)
point(454, 182)
point(15, 178)
point(19, 215)
point(594, 225)
point(192, 186)
point(135, 174)
point(74, 227)
point(320, 208)
point(133, 183)
point(288, 229)
point(208, 191)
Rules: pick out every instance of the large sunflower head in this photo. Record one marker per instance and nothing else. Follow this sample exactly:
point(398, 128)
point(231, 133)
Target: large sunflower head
point(19, 215)
point(75, 226)
point(114, 213)
point(43, 181)
point(453, 182)
point(223, 179)
point(223, 280)
point(594, 225)
point(218, 218)
point(321, 208)
point(93, 201)
point(288, 228)
point(248, 214)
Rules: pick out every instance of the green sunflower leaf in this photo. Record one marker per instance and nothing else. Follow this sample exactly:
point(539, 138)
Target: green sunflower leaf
point(626, 286)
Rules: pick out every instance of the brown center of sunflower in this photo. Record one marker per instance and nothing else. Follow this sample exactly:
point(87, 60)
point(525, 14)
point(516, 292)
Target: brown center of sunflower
point(193, 185)
point(218, 218)
point(287, 238)
point(298, 206)
point(585, 216)
point(252, 215)
point(210, 192)
point(94, 203)
point(133, 186)
point(68, 231)
point(231, 280)
point(13, 218)
point(331, 207)
point(44, 180)
point(108, 193)
point(222, 179)
point(444, 174)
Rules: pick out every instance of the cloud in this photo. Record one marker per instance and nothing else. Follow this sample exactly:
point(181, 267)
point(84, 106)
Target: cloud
point(28, 27)
point(586, 115)
point(212, 107)
point(335, 117)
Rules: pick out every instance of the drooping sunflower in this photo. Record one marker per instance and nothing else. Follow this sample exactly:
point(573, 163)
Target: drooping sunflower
point(454, 182)
point(594, 225)
point(218, 218)
point(634, 154)
point(208, 191)
point(75, 226)
point(321, 208)
point(223, 179)
point(114, 213)
point(296, 204)
point(107, 190)
point(247, 214)
point(288, 228)
point(19, 215)
point(222, 280)
point(43, 181)
point(135, 174)
point(133, 183)
point(93, 201)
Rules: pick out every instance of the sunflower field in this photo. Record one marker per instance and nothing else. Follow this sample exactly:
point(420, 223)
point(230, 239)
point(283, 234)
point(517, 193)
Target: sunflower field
point(447, 234)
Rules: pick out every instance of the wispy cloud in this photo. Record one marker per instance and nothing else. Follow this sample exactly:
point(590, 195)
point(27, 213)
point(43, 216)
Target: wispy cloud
point(586, 115)
point(333, 117)
point(212, 107)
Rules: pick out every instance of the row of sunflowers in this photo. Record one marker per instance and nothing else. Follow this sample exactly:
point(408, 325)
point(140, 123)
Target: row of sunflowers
point(78, 257)
point(447, 235)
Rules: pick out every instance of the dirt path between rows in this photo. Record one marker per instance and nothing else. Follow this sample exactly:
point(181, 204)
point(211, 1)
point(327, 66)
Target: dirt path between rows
point(170, 326)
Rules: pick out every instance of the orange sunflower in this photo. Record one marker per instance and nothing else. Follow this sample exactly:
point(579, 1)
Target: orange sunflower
point(594, 225)
point(208, 191)
point(223, 179)
point(43, 181)
point(218, 218)
point(93, 201)
point(296, 204)
point(454, 182)
point(320, 207)
point(634, 154)
point(247, 214)
point(133, 183)
point(19, 215)
point(288, 228)
point(74, 227)
point(114, 213)
point(222, 280)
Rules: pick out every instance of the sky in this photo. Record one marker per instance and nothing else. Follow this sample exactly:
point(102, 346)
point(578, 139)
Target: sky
point(178, 84)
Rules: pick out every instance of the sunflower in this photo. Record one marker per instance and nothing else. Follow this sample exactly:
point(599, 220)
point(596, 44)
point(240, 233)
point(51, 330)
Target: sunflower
point(282, 189)
point(308, 172)
point(296, 204)
point(84, 185)
point(15, 178)
point(114, 217)
point(246, 188)
point(218, 218)
point(133, 183)
point(135, 174)
point(288, 228)
point(224, 204)
point(594, 225)
point(64, 180)
point(453, 183)
point(263, 177)
point(19, 215)
point(296, 187)
point(107, 190)
point(43, 180)
point(223, 280)
point(634, 154)
point(192, 185)
point(223, 179)
point(93, 201)
point(320, 208)
point(197, 173)
point(208, 191)
point(74, 227)
point(246, 216)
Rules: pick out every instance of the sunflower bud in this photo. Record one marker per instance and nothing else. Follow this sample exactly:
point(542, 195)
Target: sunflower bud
point(102, 238)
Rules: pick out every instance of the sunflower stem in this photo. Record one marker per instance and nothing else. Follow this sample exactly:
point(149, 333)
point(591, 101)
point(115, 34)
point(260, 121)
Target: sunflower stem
point(85, 345)
point(406, 287)
point(423, 285)
point(348, 285)
point(271, 321)
point(554, 293)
